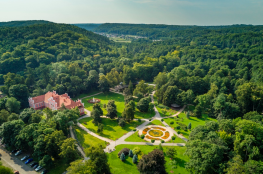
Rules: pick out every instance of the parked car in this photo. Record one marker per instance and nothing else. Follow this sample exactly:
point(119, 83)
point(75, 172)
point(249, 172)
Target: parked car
point(38, 168)
point(25, 157)
point(35, 166)
point(18, 152)
point(44, 172)
point(33, 163)
point(14, 151)
point(29, 160)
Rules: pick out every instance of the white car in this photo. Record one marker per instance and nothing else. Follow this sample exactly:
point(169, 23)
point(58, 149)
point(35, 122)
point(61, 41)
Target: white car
point(18, 152)
point(24, 158)
point(38, 168)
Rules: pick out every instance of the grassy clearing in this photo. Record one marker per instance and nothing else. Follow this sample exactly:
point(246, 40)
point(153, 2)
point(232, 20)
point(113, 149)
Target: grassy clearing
point(135, 138)
point(111, 128)
point(127, 167)
point(86, 140)
point(119, 101)
point(86, 94)
point(177, 140)
point(193, 120)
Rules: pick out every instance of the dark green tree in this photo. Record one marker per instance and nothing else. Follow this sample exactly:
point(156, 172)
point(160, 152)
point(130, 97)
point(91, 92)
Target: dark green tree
point(111, 109)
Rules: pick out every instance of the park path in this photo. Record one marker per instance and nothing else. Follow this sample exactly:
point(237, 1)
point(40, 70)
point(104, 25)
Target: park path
point(121, 140)
point(90, 95)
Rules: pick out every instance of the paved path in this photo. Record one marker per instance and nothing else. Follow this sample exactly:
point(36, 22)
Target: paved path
point(78, 147)
point(16, 163)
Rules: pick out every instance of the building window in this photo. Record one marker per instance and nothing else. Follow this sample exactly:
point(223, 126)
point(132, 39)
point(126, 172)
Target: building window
point(37, 105)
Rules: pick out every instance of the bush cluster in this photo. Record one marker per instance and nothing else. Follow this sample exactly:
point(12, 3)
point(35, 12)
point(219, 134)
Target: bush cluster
point(182, 126)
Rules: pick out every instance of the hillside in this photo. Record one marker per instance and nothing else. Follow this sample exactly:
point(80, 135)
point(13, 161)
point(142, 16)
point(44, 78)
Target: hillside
point(22, 23)
point(89, 27)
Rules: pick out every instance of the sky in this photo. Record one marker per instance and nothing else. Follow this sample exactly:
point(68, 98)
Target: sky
point(172, 12)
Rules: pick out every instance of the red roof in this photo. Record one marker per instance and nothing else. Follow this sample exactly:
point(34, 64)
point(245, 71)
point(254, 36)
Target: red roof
point(59, 99)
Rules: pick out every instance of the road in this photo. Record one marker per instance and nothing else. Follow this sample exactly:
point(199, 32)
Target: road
point(15, 163)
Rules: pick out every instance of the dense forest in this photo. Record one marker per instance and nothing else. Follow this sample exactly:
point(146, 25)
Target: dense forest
point(217, 69)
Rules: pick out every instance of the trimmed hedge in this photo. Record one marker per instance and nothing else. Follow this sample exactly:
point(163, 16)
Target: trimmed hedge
point(163, 106)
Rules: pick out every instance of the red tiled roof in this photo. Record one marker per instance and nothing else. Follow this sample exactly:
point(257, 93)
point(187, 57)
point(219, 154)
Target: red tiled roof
point(59, 99)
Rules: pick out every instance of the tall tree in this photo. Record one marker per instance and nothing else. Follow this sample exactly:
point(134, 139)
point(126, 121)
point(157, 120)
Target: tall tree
point(111, 109)
point(12, 105)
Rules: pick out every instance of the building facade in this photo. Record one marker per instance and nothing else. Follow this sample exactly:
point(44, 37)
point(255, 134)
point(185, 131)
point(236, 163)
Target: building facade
point(54, 101)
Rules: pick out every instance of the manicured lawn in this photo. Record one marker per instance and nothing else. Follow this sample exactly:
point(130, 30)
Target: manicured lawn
point(135, 138)
point(156, 122)
point(119, 101)
point(86, 140)
point(177, 140)
point(86, 94)
point(193, 120)
point(127, 167)
point(111, 128)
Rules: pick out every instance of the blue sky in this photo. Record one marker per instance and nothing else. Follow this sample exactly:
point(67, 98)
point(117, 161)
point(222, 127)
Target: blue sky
point(178, 12)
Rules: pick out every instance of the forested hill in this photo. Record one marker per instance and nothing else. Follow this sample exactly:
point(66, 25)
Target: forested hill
point(157, 31)
point(89, 27)
point(22, 23)
point(46, 43)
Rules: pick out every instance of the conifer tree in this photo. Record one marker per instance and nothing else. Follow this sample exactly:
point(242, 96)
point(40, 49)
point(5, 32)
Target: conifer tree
point(122, 157)
point(135, 159)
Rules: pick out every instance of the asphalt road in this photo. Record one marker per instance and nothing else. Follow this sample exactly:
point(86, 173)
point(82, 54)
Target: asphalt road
point(15, 162)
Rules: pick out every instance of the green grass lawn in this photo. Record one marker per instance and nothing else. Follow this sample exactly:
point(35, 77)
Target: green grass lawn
point(111, 128)
point(135, 138)
point(156, 122)
point(86, 140)
point(193, 120)
point(86, 94)
point(119, 101)
point(177, 140)
point(127, 167)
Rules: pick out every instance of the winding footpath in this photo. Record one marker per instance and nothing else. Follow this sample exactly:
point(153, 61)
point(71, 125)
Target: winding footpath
point(121, 140)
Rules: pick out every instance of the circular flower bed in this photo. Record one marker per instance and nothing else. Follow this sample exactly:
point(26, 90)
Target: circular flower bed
point(95, 100)
point(155, 133)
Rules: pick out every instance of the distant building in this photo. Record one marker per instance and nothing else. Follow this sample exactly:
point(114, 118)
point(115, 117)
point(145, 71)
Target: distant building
point(54, 101)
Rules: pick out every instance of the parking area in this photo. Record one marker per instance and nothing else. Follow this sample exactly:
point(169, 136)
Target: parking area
point(14, 162)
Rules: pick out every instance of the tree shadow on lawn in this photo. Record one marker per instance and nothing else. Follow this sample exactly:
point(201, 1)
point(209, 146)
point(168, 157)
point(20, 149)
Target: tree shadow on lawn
point(180, 162)
point(127, 162)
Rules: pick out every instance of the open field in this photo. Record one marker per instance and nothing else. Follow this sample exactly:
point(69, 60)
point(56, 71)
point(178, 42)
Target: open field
point(119, 39)
point(111, 128)
point(119, 102)
point(127, 167)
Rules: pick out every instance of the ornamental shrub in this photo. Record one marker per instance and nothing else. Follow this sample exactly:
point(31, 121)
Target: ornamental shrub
point(173, 137)
point(152, 141)
point(130, 153)
point(139, 120)
point(122, 157)
point(172, 122)
point(125, 151)
point(161, 120)
point(162, 141)
point(136, 150)
point(135, 159)
point(142, 136)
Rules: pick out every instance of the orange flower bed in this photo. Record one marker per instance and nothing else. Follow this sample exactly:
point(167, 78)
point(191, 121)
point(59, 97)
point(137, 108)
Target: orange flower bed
point(145, 130)
point(159, 128)
point(151, 138)
point(166, 135)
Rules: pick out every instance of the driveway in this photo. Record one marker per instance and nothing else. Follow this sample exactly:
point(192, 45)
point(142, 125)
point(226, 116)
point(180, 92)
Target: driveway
point(16, 163)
